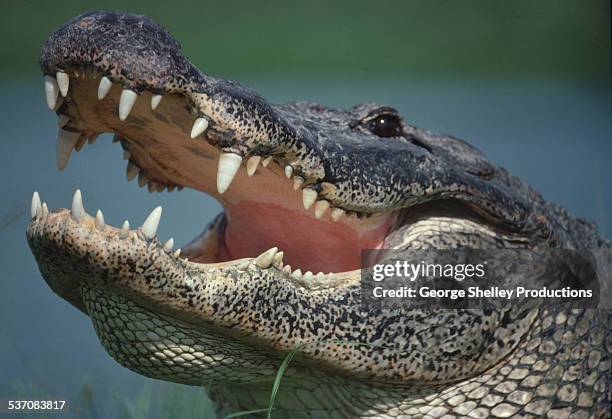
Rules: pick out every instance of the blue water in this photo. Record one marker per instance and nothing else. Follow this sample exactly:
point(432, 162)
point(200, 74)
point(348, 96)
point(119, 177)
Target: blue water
point(554, 135)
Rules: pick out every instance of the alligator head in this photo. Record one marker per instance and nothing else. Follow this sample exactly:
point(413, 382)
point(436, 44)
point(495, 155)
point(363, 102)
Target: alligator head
point(304, 188)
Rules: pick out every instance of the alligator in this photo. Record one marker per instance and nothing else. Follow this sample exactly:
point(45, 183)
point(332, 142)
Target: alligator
point(278, 271)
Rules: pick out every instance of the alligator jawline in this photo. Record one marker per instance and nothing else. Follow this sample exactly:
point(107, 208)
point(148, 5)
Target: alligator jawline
point(264, 205)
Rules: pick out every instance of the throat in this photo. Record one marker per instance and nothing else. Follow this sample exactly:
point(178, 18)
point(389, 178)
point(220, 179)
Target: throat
point(310, 244)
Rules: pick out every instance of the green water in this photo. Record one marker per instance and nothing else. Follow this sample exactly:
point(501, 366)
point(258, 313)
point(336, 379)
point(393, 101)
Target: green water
point(555, 135)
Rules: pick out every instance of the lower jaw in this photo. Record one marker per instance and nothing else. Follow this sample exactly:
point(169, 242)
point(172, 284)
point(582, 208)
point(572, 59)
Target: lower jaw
point(310, 244)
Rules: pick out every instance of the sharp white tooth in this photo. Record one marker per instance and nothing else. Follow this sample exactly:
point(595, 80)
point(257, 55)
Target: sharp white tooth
point(278, 259)
point(337, 213)
point(308, 276)
point(51, 91)
point(251, 165)
point(104, 87)
point(309, 197)
point(297, 274)
point(265, 260)
point(155, 99)
point(297, 183)
point(62, 120)
point(66, 140)
point(229, 163)
point(99, 220)
point(169, 245)
point(77, 210)
point(320, 276)
point(125, 229)
point(126, 155)
point(126, 102)
point(62, 81)
point(287, 268)
point(81, 143)
point(288, 171)
point(35, 206)
point(177, 253)
point(320, 208)
point(131, 171)
point(199, 126)
point(149, 227)
point(142, 180)
point(44, 210)
point(266, 161)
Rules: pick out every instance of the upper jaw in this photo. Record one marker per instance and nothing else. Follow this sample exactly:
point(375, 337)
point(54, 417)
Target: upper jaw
point(338, 164)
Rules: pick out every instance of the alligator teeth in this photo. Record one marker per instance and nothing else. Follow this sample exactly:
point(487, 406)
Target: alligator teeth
point(152, 186)
point(251, 165)
point(99, 220)
point(266, 161)
point(125, 229)
point(278, 259)
point(265, 260)
point(126, 155)
point(142, 179)
point(308, 276)
point(104, 87)
point(62, 120)
point(337, 213)
point(126, 102)
point(80, 143)
point(66, 140)
point(199, 126)
point(169, 244)
point(320, 208)
point(62, 81)
point(297, 274)
point(309, 197)
point(132, 171)
point(177, 253)
point(92, 139)
point(287, 268)
point(297, 182)
point(149, 227)
point(320, 276)
point(77, 209)
point(288, 171)
point(45, 210)
point(155, 99)
point(229, 163)
point(35, 206)
point(51, 91)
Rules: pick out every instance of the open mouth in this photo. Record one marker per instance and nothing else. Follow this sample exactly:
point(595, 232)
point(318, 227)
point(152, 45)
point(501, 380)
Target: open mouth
point(268, 206)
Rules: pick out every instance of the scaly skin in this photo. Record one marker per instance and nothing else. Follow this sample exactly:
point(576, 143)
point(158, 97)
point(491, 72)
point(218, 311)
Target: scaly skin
point(227, 323)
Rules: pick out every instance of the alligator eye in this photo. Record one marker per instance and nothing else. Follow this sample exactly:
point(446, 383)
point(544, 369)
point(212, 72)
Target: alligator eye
point(386, 126)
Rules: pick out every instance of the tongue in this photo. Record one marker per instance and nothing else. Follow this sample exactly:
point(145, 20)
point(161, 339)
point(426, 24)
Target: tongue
point(309, 244)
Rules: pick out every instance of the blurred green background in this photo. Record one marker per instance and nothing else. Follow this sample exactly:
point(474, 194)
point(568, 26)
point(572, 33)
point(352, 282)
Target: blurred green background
point(527, 82)
point(351, 38)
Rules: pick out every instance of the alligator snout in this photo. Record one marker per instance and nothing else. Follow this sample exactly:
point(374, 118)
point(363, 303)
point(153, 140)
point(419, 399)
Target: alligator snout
point(133, 49)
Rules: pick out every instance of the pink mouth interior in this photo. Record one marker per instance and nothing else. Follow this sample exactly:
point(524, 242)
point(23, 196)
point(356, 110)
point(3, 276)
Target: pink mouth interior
point(317, 245)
